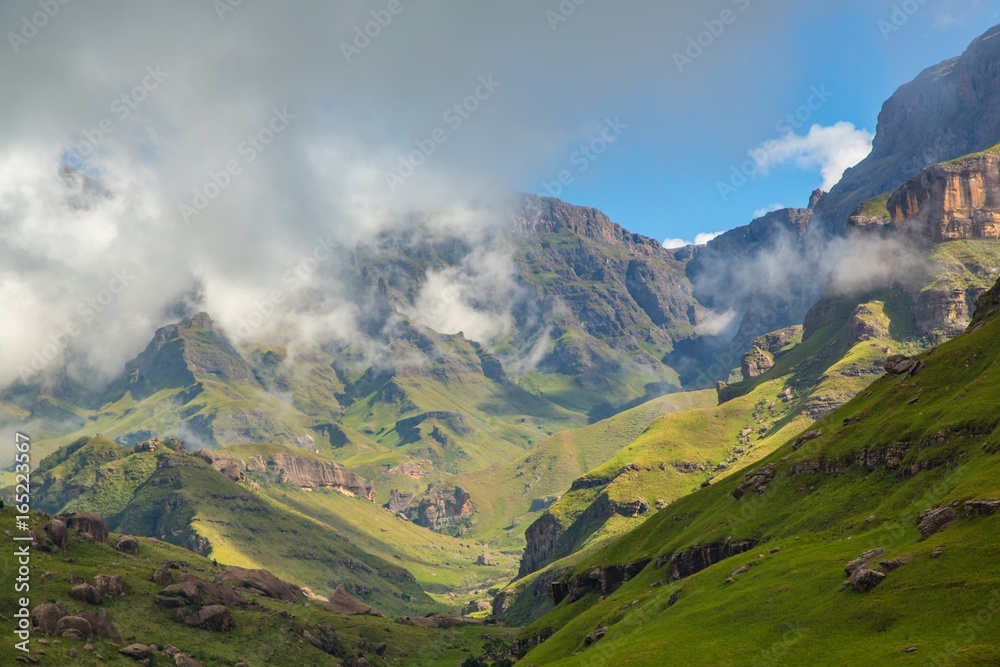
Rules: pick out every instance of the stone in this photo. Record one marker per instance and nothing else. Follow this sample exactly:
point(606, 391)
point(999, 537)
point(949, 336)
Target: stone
point(73, 633)
point(899, 364)
point(85, 593)
point(863, 560)
point(864, 579)
point(978, 508)
point(136, 651)
point(184, 660)
point(595, 636)
point(756, 480)
point(934, 520)
point(263, 581)
point(127, 544)
point(486, 560)
point(214, 617)
point(205, 455)
point(57, 532)
point(938, 552)
point(101, 624)
point(342, 602)
point(87, 523)
point(895, 563)
point(77, 623)
point(45, 616)
point(111, 585)
point(162, 576)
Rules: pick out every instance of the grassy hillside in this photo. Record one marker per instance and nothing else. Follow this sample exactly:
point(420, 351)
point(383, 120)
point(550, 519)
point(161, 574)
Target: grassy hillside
point(180, 499)
point(264, 631)
point(906, 445)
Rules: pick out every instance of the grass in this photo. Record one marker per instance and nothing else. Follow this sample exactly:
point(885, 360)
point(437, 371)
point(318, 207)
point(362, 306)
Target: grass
point(788, 609)
point(270, 636)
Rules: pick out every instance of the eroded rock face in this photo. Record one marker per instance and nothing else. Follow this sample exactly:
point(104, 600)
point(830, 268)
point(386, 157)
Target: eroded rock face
point(756, 480)
point(956, 200)
point(443, 507)
point(542, 538)
point(87, 522)
point(399, 502)
point(312, 474)
point(128, 544)
point(691, 561)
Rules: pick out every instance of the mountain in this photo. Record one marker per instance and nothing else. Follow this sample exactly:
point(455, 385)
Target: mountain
point(950, 110)
point(870, 536)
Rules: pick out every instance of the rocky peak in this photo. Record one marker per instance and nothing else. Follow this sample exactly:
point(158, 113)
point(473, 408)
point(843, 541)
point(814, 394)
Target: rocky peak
point(949, 110)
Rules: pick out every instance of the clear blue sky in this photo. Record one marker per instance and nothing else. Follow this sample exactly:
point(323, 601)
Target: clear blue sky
point(660, 177)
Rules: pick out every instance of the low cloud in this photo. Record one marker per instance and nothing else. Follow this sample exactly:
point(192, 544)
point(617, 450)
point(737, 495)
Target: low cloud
point(700, 239)
point(829, 150)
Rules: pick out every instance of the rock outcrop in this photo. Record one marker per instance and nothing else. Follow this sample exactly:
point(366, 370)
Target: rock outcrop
point(261, 582)
point(342, 602)
point(934, 520)
point(760, 357)
point(443, 507)
point(89, 523)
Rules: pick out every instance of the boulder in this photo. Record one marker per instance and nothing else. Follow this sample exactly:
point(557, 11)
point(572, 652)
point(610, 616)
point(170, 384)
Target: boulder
point(184, 660)
point(45, 616)
point(162, 576)
point(57, 532)
point(205, 455)
point(863, 560)
point(935, 520)
point(757, 480)
point(128, 544)
point(110, 584)
point(486, 560)
point(864, 579)
point(136, 651)
point(899, 364)
point(977, 508)
point(214, 617)
point(101, 624)
point(263, 581)
point(77, 623)
point(89, 523)
point(342, 602)
point(475, 607)
point(85, 593)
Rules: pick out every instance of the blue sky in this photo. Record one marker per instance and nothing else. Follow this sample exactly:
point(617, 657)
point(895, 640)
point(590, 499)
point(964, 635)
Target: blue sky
point(661, 176)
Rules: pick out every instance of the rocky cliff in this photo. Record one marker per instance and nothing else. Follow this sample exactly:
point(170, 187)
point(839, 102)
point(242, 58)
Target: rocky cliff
point(949, 110)
point(305, 472)
point(950, 201)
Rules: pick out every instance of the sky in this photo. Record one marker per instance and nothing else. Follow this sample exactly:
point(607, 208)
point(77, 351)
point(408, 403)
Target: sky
point(234, 144)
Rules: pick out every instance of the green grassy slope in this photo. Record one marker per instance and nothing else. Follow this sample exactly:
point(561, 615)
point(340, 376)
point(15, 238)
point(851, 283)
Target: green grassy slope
point(180, 499)
point(884, 458)
point(270, 635)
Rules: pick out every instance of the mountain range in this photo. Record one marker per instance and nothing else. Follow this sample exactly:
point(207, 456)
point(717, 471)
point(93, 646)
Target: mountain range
point(790, 430)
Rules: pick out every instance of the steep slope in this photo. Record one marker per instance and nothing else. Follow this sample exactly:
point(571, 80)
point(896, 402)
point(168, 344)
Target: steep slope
point(908, 468)
point(215, 509)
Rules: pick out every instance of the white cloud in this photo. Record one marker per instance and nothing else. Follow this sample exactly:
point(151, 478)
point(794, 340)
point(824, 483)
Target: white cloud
point(700, 239)
point(761, 212)
point(830, 150)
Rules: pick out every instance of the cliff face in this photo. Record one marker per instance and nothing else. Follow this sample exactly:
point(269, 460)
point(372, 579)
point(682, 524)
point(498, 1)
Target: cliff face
point(301, 471)
point(442, 508)
point(949, 110)
point(951, 201)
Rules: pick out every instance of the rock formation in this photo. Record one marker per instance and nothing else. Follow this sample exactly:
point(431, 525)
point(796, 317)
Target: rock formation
point(443, 507)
